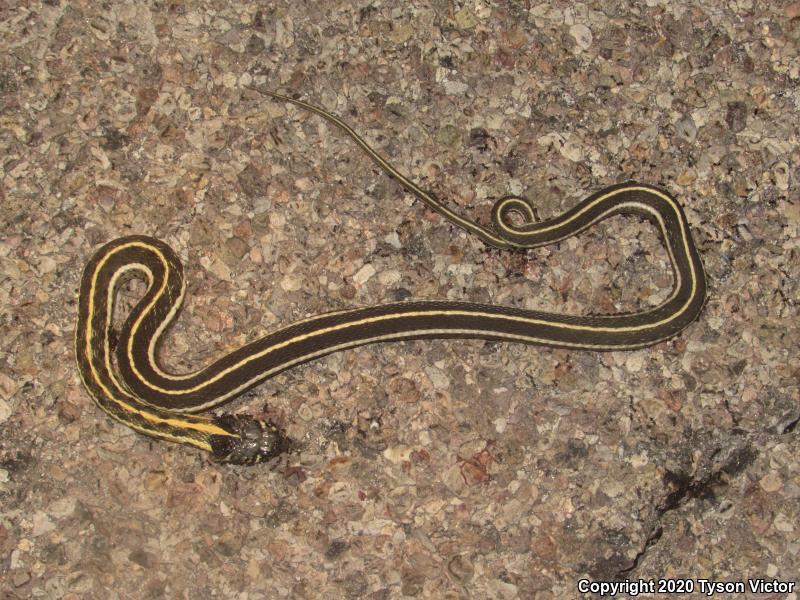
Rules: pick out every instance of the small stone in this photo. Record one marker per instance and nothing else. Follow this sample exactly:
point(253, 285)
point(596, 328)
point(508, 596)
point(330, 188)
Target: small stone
point(614, 489)
point(448, 135)
point(305, 412)
point(47, 265)
point(402, 34)
point(387, 278)
point(500, 424)
point(572, 150)
point(664, 100)
point(637, 461)
point(412, 583)
point(393, 240)
point(63, 507)
point(141, 558)
point(465, 19)
point(461, 568)
point(220, 270)
point(253, 569)
point(303, 184)
point(686, 178)
point(686, 128)
point(502, 590)
point(453, 478)
point(439, 380)
point(237, 247)
point(634, 362)
point(228, 79)
point(397, 454)
point(42, 524)
point(771, 482)
point(783, 523)
point(291, 283)
point(335, 549)
point(780, 173)
point(455, 88)
point(736, 117)
point(790, 210)
point(154, 480)
point(364, 274)
point(8, 387)
point(5, 411)
point(20, 578)
point(582, 36)
point(550, 139)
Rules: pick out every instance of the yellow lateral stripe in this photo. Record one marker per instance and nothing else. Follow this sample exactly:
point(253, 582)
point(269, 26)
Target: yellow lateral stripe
point(367, 321)
point(386, 338)
point(177, 422)
point(121, 390)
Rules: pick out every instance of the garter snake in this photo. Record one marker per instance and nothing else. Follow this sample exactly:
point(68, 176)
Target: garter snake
point(125, 380)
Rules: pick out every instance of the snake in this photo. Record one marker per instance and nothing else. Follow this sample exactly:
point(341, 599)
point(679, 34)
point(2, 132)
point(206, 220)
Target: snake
point(121, 371)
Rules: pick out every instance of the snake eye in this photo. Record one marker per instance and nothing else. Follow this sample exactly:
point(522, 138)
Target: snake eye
point(252, 441)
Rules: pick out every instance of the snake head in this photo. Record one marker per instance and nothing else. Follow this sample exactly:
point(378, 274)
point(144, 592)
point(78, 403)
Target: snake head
point(251, 441)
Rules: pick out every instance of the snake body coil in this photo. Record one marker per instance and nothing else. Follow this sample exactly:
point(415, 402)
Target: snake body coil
point(128, 383)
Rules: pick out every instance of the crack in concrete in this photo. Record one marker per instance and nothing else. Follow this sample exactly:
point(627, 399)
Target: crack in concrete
point(686, 487)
